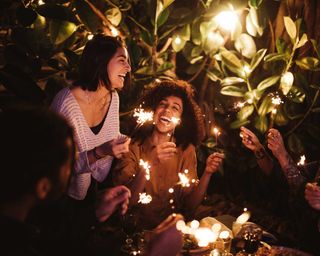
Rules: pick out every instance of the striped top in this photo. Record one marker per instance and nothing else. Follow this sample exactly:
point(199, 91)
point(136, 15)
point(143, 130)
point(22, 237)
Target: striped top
point(66, 104)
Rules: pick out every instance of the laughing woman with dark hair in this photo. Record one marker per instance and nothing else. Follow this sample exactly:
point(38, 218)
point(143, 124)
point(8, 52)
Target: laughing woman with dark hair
point(169, 150)
point(91, 107)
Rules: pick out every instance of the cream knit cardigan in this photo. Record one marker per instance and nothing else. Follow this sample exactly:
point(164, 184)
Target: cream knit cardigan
point(66, 104)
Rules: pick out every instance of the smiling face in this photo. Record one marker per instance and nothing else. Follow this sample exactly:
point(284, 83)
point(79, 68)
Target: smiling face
point(168, 111)
point(118, 67)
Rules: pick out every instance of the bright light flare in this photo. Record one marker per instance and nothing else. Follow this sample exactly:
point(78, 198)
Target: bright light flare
point(175, 120)
point(90, 36)
point(41, 2)
point(146, 167)
point(227, 20)
point(205, 236)
point(302, 160)
point(144, 198)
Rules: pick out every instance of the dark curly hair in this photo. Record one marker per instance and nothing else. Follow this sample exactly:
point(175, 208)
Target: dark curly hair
point(191, 129)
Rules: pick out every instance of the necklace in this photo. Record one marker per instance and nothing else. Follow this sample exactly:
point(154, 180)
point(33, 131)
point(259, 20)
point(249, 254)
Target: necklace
point(99, 102)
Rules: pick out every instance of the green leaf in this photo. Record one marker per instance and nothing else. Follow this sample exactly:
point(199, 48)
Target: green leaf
point(87, 16)
point(114, 16)
point(315, 47)
point(261, 123)
point(162, 18)
point(144, 71)
point(280, 118)
point(245, 112)
point(232, 91)
point(57, 12)
point(231, 80)
point(255, 3)
point(302, 40)
point(214, 75)
point(296, 94)
point(184, 32)
point(245, 46)
point(195, 32)
point(266, 106)
point(268, 82)
point(290, 27)
point(238, 123)
point(163, 67)
point(196, 59)
point(257, 58)
point(275, 57)
point(308, 63)
point(231, 60)
point(61, 30)
point(295, 144)
point(166, 3)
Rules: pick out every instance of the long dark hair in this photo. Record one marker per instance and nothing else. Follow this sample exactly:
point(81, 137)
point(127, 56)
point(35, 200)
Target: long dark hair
point(191, 129)
point(94, 61)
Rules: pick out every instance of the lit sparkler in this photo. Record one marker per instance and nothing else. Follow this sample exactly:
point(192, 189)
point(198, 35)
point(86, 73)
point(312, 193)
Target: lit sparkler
point(144, 198)
point(175, 121)
point(276, 101)
point(146, 167)
point(142, 117)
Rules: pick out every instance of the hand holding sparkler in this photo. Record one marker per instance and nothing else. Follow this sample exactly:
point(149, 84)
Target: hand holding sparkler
point(276, 144)
point(249, 139)
point(164, 151)
point(213, 162)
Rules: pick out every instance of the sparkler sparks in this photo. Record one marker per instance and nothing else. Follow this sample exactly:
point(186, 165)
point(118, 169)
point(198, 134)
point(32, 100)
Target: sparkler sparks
point(184, 180)
point(144, 198)
point(276, 100)
point(142, 115)
point(146, 167)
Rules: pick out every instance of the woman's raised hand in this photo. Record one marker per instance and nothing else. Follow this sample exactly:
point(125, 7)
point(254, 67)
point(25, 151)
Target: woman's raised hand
point(312, 195)
point(249, 139)
point(165, 151)
point(213, 162)
point(276, 144)
point(117, 147)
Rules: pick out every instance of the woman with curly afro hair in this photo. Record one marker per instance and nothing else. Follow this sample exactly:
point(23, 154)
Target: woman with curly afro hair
point(168, 145)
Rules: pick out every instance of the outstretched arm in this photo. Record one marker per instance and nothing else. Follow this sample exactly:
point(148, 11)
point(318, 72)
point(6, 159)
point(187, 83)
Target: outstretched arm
point(212, 165)
point(290, 169)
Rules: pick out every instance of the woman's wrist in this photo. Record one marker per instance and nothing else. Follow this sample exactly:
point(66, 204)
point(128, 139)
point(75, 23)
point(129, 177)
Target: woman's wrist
point(260, 152)
point(96, 153)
